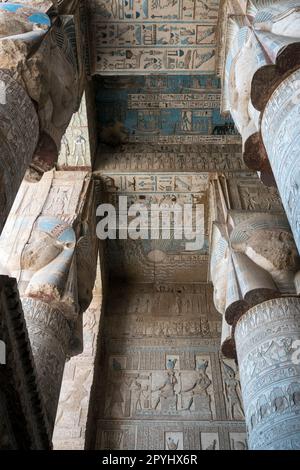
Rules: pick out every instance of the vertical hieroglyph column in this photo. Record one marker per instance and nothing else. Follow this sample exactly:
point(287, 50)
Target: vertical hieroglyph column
point(269, 368)
point(280, 133)
point(48, 245)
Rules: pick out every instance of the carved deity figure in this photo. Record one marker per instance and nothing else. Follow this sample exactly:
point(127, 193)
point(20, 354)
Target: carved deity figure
point(200, 386)
point(80, 150)
point(115, 398)
point(167, 389)
point(172, 444)
point(232, 392)
point(257, 40)
point(252, 260)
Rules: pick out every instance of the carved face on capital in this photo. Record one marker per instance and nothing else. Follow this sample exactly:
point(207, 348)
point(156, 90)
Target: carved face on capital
point(285, 19)
point(40, 251)
point(275, 249)
point(50, 238)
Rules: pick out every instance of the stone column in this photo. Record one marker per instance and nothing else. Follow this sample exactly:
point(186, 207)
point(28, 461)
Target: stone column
point(18, 139)
point(48, 244)
point(41, 83)
point(50, 335)
point(253, 264)
point(280, 132)
point(270, 373)
point(261, 89)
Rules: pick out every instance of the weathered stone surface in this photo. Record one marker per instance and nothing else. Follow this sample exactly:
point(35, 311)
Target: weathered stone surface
point(253, 255)
point(23, 423)
point(47, 245)
point(261, 48)
point(18, 139)
point(43, 55)
point(75, 394)
point(270, 373)
point(280, 132)
point(160, 369)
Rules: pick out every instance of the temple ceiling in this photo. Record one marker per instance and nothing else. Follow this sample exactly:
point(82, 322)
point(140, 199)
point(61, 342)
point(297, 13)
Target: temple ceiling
point(159, 125)
point(150, 36)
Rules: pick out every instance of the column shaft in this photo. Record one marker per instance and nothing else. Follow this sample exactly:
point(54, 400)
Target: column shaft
point(270, 373)
point(50, 335)
point(280, 132)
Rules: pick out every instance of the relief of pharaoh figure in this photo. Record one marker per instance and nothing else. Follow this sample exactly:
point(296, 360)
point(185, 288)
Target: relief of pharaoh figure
point(167, 389)
point(200, 386)
point(232, 393)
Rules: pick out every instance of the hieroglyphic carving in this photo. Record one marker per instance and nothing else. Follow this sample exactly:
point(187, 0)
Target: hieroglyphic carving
point(232, 390)
point(72, 413)
point(169, 435)
point(168, 377)
point(250, 194)
point(18, 140)
point(280, 131)
point(162, 109)
point(24, 423)
point(155, 36)
point(176, 158)
point(238, 441)
point(149, 259)
point(170, 310)
point(78, 145)
point(270, 380)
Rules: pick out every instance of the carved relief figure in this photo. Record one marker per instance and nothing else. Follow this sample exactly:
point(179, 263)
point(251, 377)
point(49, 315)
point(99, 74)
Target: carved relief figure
point(199, 394)
point(232, 392)
point(114, 396)
point(166, 390)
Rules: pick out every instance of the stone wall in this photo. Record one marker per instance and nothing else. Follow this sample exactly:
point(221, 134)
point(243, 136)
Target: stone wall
point(161, 383)
point(74, 400)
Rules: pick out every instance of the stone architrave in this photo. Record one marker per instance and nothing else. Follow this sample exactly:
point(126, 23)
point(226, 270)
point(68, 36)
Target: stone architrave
point(76, 146)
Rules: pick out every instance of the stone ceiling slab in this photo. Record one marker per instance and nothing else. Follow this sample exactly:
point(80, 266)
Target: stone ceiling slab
point(149, 36)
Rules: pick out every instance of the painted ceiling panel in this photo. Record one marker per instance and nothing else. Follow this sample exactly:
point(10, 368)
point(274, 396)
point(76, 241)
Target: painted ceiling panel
point(138, 36)
point(162, 109)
